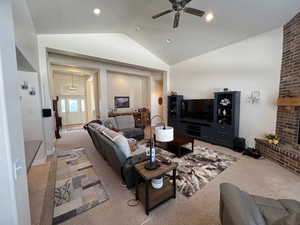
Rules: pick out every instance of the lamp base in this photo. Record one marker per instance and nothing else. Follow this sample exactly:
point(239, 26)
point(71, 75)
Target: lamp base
point(152, 166)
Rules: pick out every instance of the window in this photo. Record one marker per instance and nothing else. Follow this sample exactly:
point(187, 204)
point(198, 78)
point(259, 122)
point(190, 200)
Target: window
point(73, 105)
point(82, 105)
point(63, 105)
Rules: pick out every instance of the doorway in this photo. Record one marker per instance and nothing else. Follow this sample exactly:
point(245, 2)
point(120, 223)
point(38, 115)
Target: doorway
point(76, 91)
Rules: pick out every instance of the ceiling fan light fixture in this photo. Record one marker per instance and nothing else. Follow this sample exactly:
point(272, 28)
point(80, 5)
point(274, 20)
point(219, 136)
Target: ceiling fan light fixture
point(209, 17)
point(72, 88)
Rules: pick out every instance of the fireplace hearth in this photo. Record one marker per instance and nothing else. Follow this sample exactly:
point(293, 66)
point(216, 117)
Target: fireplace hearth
point(287, 153)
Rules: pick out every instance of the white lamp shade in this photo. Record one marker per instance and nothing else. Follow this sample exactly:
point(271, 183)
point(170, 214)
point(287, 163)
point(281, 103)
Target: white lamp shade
point(164, 134)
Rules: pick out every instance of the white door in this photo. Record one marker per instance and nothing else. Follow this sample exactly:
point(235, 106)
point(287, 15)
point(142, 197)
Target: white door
point(72, 110)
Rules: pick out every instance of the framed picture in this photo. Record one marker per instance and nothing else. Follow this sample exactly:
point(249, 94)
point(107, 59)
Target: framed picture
point(121, 102)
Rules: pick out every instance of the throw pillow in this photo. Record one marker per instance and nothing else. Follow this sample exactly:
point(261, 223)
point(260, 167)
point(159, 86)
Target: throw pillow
point(115, 129)
point(108, 124)
point(292, 219)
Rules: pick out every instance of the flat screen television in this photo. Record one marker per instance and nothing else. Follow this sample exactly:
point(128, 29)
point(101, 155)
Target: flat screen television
point(201, 109)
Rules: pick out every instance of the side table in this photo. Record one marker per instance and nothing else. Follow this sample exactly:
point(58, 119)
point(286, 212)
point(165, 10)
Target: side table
point(149, 196)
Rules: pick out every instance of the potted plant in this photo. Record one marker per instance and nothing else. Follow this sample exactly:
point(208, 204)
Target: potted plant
point(272, 139)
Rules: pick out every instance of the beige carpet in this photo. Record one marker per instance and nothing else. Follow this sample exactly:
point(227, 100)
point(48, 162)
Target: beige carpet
point(260, 177)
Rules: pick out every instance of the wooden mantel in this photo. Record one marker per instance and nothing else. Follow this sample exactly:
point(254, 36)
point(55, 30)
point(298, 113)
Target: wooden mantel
point(289, 102)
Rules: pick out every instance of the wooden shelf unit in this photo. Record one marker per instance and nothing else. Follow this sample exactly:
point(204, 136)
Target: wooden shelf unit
point(157, 195)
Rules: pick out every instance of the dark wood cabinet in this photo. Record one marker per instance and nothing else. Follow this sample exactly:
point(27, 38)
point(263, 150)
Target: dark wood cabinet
point(174, 109)
point(221, 131)
point(226, 117)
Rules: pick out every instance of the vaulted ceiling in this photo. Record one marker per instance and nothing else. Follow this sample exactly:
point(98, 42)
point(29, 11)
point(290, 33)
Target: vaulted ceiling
point(234, 21)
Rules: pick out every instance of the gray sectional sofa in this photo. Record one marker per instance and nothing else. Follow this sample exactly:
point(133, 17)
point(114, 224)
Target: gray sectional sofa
point(240, 208)
point(115, 149)
point(125, 126)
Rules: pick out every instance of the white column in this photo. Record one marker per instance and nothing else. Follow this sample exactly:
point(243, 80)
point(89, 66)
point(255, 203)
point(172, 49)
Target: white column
point(14, 201)
point(46, 82)
point(103, 94)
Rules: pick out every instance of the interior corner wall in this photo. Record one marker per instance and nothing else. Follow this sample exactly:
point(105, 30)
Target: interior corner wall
point(250, 65)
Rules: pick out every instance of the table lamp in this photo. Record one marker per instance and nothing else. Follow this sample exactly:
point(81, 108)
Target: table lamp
point(162, 134)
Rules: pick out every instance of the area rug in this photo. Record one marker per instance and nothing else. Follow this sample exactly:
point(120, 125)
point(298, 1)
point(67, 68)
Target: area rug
point(77, 188)
point(73, 130)
point(198, 168)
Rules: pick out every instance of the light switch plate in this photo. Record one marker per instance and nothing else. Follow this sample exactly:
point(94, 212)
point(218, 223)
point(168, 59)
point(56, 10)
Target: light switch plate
point(19, 169)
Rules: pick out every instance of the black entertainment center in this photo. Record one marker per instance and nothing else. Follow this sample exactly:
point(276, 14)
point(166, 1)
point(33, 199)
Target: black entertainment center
point(211, 120)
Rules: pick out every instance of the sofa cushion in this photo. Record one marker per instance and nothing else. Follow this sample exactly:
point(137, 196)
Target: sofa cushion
point(291, 219)
point(132, 132)
point(111, 123)
point(94, 125)
point(239, 208)
point(122, 144)
point(267, 202)
point(110, 134)
point(125, 122)
point(271, 209)
point(292, 206)
point(272, 214)
point(119, 140)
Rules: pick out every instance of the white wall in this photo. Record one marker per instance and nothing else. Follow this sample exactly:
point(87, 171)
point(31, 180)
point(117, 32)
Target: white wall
point(25, 34)
point(136, 87)
point(26, 41)
point(13, 191)
point(157, 92)
point(253, 64)
point(31, 107)
point(61, 82)
point(112, 46)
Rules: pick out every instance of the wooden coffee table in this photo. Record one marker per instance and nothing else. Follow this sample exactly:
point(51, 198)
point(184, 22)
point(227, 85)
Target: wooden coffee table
point(180, 140)
point(149, 196)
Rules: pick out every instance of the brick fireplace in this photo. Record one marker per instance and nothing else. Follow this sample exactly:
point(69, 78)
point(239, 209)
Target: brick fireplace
point(287, 153)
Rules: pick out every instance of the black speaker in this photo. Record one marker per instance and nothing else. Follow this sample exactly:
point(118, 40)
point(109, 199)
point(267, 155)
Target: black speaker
point(47, 113)
point(239, 144)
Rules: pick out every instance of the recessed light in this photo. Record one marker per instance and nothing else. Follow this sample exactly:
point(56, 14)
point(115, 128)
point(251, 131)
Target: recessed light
point(169, 41)
point(138, 28)
point(209, 17)
point(97, 11)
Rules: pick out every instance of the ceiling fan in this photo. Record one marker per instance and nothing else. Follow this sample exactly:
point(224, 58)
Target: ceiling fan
point(179, 6)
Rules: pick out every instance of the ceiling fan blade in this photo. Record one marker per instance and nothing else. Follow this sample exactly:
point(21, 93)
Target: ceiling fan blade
point(184, 2)
point(195, 12)
point(176, 20)
point(162, 14)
